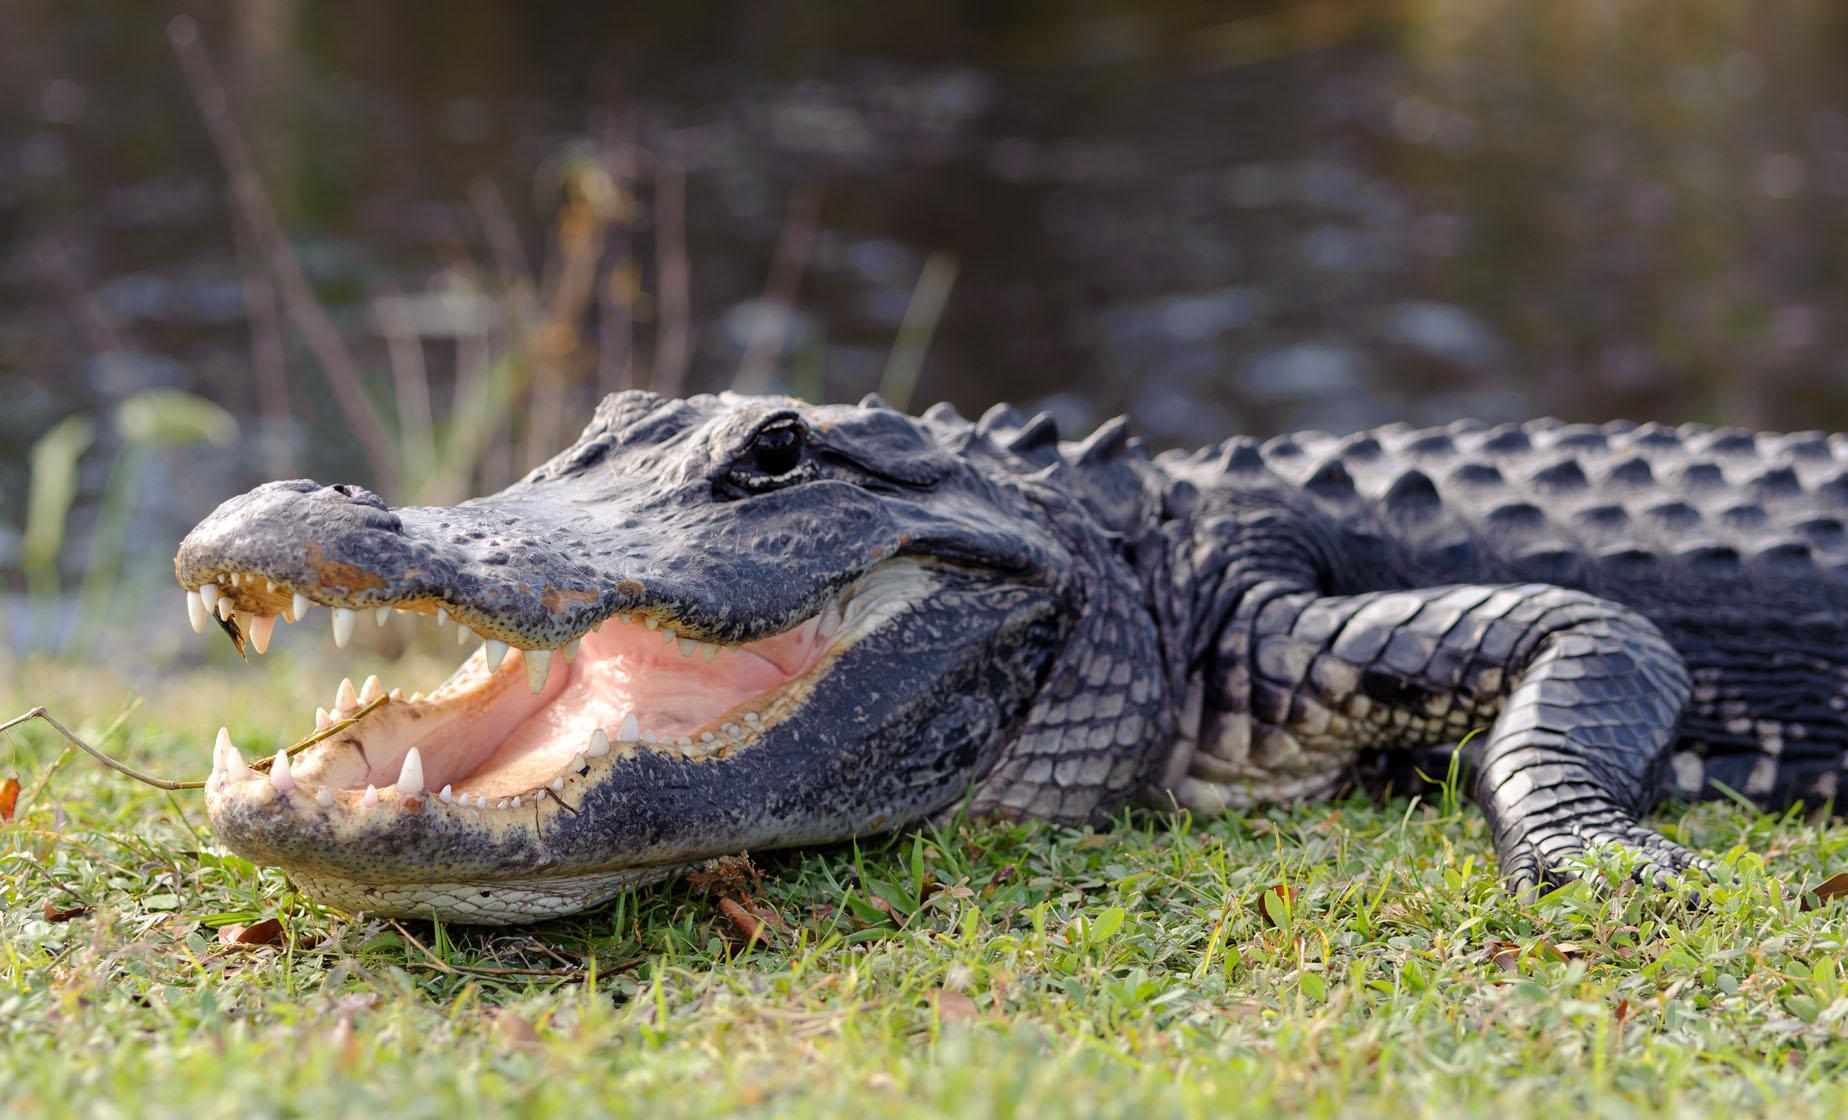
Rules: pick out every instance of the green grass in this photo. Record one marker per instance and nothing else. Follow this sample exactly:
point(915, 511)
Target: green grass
point(1014, 970)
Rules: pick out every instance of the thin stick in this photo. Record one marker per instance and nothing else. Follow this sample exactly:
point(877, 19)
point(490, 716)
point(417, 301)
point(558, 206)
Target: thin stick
point(914, 333)
point(770, 326)
point(167, 783)
point(311, 319)
point(441, 965)
point(674, 310)
point(64, 755)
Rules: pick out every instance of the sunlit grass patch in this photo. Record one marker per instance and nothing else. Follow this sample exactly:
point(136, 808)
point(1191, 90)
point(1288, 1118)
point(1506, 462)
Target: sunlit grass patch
point(1331, 959)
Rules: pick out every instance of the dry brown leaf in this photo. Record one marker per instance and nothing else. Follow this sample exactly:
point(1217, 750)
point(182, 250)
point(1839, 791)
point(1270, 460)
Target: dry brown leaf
point(725, 873)
point(1285, 893)
point(516, 1030)
point(9, 797)
point(952, 1007)
point(1830, 889)
point(253, 936)
point(1505, 955)
point(56, 913)
point(749, 924)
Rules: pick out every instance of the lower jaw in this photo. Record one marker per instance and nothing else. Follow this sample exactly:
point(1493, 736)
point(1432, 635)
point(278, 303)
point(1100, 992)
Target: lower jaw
point(510, 902)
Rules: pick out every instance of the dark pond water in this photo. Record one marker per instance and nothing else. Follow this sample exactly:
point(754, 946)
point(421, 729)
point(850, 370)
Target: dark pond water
point(1217, 217)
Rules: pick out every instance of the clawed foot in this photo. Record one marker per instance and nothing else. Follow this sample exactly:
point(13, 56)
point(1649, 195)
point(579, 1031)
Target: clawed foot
point(1552, 856)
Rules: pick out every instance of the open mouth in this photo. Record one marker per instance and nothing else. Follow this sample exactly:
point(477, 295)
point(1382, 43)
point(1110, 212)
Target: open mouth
point(514, 727)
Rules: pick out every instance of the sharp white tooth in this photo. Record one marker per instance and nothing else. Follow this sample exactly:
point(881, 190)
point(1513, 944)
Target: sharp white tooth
point(447, 796)
point(322, 719)
point(410, 779)
point(371, 797)
point(650, 621)
point(235, 769)
point(629, 731)
point(750, 717)
point(237, 579)
point(706, 736)
point(668, 636)
point(343, 626)
point(396, 694)
point(345, 699)
point(538, 663)
point(599, 744)
point(298, 607)
point(208, 594)
point(558, 785)
point(501, 804)
point(371, 690)
point(496, 653)
point(380, 615)
point(260, 630)
point(649, 737)
point(570, 650)
point(516, 801)
point(415, 696)
point(196, 612)
point(683, 742)
point(324, 797)
point(708, 650)
point(219, 747)
point(734, 731)
point(225, 609)
point(281, 778)
point(269, 586)
point(687, 646)
point(442, 615)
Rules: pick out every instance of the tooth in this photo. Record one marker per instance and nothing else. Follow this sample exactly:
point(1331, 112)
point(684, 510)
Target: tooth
point(380, 615)
point(208, 594)
point(260, 630)
point(630, 731)
point(225, 609)
point(448, 795)
point(371, 690)
point(538, 663)
point(442, 615)
point(708, 651)
point(668, 636)
point(501, 804)
point(415, 696)
point(599, 744)
point(649, 737)
point(396, 694)
point(195, 612)
point(706, 736)
point(516, 802)
point(345, 699)
point(269, 586)
point(683, 742)
point(324, 797)
point(687, 646)
point(298, 607)
point(236, 579)
point(322, 719)
point(343, 626)
point(558, 784)
point(734, 731)
point(410, 779)
point(750, 717)
point(235, 770)
point(371, 798)
point(651, 622)
point(496, 653)
point(570, 650)
point(280, 777)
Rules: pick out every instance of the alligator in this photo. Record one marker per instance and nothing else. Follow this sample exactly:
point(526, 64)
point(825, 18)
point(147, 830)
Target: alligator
point(732, 623)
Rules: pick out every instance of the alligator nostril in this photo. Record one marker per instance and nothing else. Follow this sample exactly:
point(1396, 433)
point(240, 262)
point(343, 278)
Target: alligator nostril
point(358, 495)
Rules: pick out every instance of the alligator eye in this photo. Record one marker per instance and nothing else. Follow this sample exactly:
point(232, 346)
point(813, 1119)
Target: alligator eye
point(777, 449)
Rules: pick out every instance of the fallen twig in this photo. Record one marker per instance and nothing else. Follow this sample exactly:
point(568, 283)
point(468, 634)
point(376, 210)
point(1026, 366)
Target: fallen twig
point(440, 965)
point(303, 744)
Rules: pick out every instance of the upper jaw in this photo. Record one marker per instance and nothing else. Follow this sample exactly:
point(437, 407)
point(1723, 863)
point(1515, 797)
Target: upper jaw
point(529, 567)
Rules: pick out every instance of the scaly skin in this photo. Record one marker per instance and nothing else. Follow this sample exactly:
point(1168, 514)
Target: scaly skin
point(1626, 610)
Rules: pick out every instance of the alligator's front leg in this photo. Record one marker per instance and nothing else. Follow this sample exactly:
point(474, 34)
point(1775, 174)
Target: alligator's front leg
point(1580, 696)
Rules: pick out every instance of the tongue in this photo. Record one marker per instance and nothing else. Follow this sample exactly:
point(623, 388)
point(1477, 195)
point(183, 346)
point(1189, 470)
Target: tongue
point(623, 669)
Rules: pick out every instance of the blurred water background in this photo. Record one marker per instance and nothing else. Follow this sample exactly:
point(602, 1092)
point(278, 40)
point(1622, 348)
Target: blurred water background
point(409, 245)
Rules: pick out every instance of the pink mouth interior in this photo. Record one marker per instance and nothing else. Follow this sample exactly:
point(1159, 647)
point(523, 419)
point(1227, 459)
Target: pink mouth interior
point(493, 736)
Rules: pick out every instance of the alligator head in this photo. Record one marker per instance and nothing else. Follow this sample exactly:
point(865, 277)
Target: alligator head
point(710, 625)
